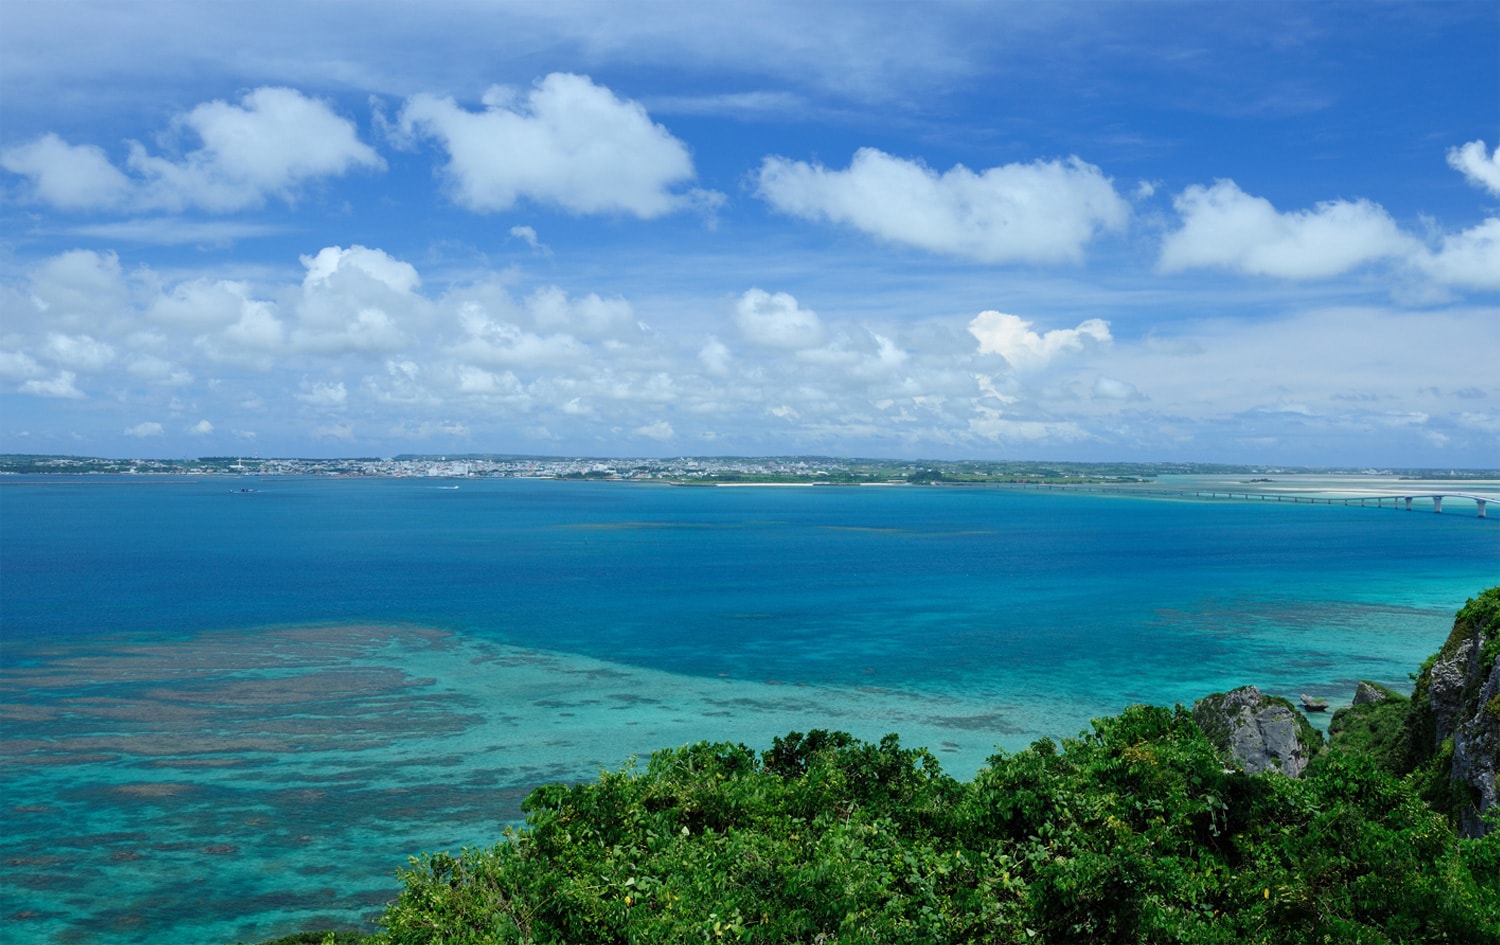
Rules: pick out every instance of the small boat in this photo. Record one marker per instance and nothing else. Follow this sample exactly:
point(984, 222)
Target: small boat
point(1313, 704)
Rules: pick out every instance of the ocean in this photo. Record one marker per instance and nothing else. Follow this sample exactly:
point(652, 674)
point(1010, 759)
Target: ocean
point(230, 715)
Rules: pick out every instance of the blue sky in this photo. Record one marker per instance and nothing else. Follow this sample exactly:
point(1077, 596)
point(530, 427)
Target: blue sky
point(1227, 232)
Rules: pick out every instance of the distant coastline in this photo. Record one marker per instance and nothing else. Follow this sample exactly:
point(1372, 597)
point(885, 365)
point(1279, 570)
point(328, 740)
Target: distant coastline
point(1465, 492)
point(718, 470)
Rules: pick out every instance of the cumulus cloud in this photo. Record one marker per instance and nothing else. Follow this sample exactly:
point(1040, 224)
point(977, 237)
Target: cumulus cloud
point(78, 352)
point(271, 144)
point(1225, 228)
point(588, 317)
point(566, 142)
point(69, 177)
point(62, 386)
point(334, 262)
point(1470, 258)
point(661, 431)
point(160, 371)
point(492, 341)
point(714, 356)
point(355, 300)
point(776, 321)
point(77, 291)
point(1004, 429)
point(1045, 211)
point(256, 336)
point(334, 431)
point(143, 430)
point(18, 366)
point(201, 428)
point(324, 394)
point(201, 304)
point(1482, 170)
point(1012, 337)
point(773, 376)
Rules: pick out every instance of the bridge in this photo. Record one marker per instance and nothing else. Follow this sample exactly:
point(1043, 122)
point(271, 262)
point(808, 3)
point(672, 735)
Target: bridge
point(1397, 500)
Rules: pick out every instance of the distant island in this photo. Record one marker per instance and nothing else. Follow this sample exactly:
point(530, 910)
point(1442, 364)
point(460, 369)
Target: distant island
point(698, 470)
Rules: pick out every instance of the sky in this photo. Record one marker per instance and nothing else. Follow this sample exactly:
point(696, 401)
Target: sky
point(1218, 232)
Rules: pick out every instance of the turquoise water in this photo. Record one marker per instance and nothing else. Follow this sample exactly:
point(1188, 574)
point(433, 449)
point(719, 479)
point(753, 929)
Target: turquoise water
point(233, 715)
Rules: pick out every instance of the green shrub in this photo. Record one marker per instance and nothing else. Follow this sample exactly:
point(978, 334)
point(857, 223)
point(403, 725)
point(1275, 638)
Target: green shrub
point(1132, 832)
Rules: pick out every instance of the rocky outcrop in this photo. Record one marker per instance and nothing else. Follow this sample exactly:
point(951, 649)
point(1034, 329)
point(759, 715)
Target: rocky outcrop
point(1368, 693)
point(1257, 732)
point(1455, 716)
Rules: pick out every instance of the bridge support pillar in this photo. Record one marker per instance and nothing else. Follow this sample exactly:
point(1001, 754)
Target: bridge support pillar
point(1480, 503)
point(1408, 502)
point(1437, 503)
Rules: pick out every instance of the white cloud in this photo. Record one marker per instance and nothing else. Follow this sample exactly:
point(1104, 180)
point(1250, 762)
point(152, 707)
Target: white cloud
point(889, 353)
point(333, 262)
point(334, 431)
point(487, 385)
point(493, 342)
point(528, 236)
point(1004, 429)
point(143, 430)
point(776, 321)
point(1470, 258)
point(201, 428)
point(273, 143)
point(201, 304)
point(18, 366)
point(61, 386)
point(270, 145)
point(253, 338)
point(1223, 227)
point(1482, 170)
point(715, 357)
point(77, 352)
point(508, 362)
point(79, 291)
point(750, 105)
point(324, 394)
point(354, 301)
point(586, 317)
point(156, 370)
point(1011, 337)
point(70, 177)
point(175, 231)
point(567, 142)
point(1045, 211)
point(661, 431)
point(1110, 388)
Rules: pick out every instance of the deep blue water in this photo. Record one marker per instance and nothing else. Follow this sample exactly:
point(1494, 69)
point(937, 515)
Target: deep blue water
point(176, 665)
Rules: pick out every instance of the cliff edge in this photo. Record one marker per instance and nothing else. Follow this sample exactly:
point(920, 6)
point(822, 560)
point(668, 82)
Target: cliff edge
point(1453, 727)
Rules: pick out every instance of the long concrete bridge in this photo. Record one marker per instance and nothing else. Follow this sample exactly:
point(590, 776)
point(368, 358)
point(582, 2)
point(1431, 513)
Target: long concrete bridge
point(1396, 500)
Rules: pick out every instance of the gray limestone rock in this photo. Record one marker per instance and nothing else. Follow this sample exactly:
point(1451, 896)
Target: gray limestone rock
point(1259, 732)
point(1367, 693)
point(1464, 696)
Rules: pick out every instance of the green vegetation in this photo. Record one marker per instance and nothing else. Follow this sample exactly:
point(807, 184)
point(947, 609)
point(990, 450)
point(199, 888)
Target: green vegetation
point(1132, 832)
point(1374, 730)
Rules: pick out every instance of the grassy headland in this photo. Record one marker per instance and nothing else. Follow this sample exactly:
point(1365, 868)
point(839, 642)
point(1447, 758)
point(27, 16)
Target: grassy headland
point(1137, 831)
